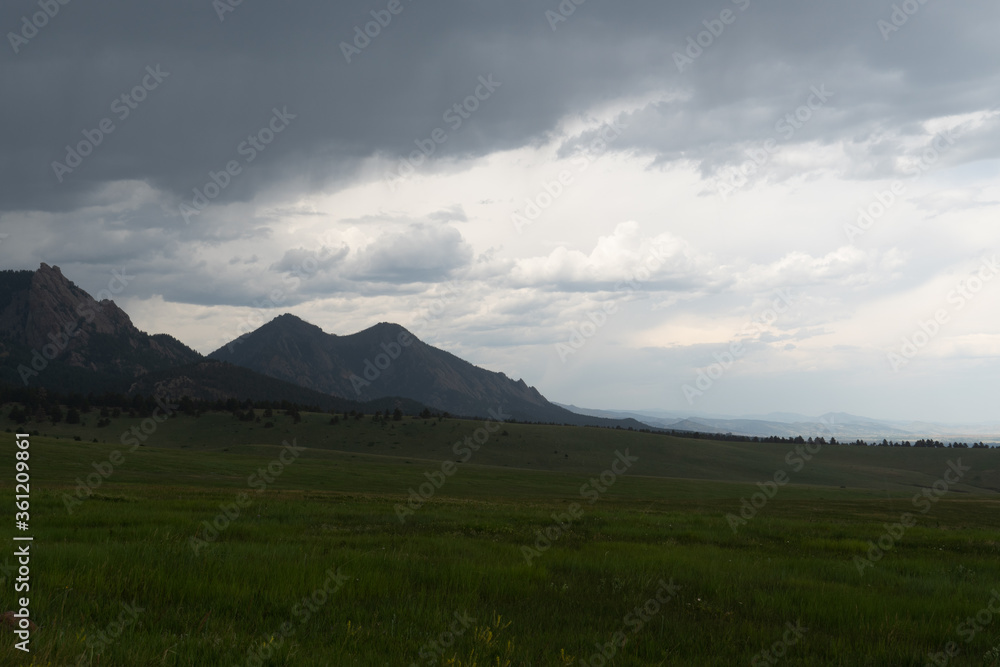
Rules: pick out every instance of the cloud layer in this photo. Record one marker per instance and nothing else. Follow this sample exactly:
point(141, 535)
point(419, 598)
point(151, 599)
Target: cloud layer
point(493, 174)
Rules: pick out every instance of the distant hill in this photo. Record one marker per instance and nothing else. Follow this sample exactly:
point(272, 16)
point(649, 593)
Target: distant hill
point(691, 426)
point(841, 425)
point(387, 360)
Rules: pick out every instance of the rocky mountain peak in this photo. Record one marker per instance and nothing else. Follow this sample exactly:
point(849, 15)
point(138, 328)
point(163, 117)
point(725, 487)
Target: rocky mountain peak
point(50, 314)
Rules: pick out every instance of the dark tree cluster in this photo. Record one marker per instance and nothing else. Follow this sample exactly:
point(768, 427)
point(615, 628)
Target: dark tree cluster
point(40, 405)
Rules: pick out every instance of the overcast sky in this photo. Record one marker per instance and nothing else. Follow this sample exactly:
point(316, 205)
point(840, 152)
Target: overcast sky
point(619, 194)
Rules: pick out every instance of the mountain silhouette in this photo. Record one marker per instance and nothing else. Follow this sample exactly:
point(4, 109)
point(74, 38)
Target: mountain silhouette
point(54, 335)
point(387, 360)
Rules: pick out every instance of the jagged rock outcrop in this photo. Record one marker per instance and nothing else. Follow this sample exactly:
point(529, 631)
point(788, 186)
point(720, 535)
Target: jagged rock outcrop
point(48, 318)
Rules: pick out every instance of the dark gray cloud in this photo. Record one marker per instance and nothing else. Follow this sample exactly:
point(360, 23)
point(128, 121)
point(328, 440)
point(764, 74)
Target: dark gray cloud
point(222, 80)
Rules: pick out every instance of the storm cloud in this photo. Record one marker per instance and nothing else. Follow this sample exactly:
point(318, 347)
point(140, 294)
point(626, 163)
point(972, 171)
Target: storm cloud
point(845, 151)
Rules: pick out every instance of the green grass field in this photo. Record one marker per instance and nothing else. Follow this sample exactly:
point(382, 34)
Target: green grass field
point(315, 567)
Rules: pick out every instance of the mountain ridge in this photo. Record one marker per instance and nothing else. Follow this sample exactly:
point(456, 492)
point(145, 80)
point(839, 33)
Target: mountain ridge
point(46, 320)
point(386, 359)
point(56, 336)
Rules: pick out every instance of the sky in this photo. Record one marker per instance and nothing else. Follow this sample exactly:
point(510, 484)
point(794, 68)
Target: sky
point(734, 207)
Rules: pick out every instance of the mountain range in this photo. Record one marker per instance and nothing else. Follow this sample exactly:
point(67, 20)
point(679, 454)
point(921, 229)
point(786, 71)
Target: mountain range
point(841, 425)
point(56, 336)
point(386, 360)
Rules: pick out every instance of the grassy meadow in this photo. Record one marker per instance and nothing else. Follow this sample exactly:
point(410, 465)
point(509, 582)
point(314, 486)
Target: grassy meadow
point(534, 551)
